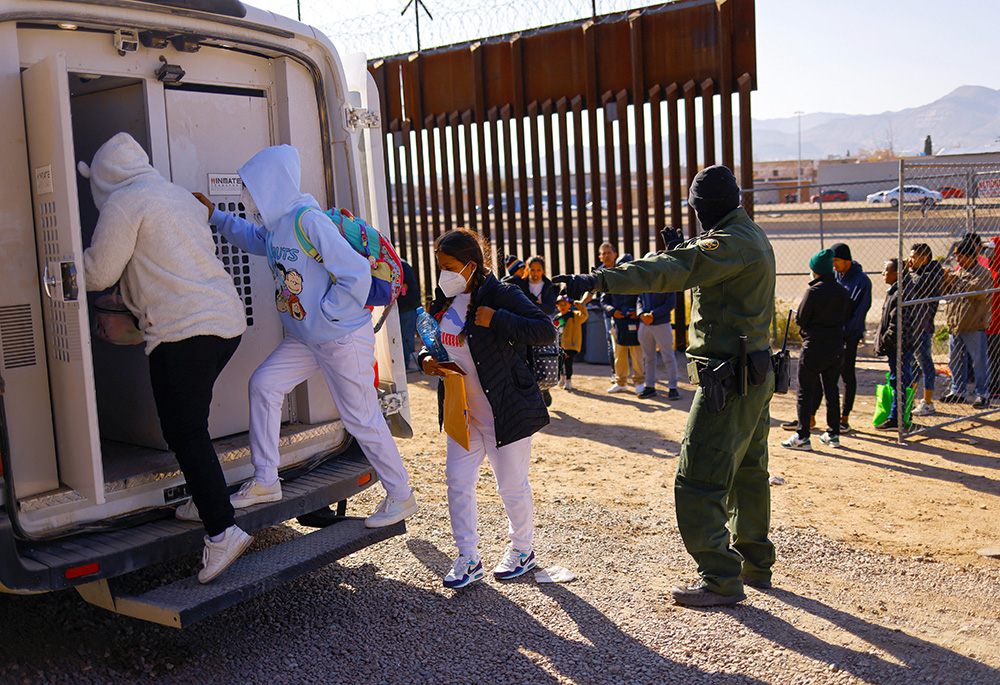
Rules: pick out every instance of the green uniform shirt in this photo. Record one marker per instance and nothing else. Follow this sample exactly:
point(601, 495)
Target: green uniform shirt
point(730, 271)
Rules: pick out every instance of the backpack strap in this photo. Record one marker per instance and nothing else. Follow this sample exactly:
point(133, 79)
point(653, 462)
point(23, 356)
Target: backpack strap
point(304, 242)
point(300, 235)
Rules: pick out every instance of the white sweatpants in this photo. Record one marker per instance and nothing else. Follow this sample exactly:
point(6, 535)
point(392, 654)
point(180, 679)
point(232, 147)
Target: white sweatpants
point(661, 334)
point(510, 467)
point(346, 364)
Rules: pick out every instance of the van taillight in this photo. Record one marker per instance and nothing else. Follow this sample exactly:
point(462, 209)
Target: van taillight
point(81, 571)
point(364, 479)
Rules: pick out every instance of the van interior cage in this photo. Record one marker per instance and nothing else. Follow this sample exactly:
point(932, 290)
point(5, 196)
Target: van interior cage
point(951, 214)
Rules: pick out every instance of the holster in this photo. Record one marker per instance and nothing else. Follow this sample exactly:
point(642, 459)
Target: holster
point(757, 366)
point(714, 383)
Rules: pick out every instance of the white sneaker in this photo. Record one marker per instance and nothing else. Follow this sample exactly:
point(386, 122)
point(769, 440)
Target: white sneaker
point(561, 383)
point(830, 440)
point(618, 388)
point(252, 492)
point(467, 569)
point(515, 562)
point(217, 556)
point(639, 387)
point(390, 511)
point(925, 408)
point(797, 443)
point(568, 385)
point(188, 512)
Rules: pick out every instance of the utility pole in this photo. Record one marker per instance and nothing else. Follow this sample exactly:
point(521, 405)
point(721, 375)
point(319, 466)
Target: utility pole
point(798, 191)
point(417, 4)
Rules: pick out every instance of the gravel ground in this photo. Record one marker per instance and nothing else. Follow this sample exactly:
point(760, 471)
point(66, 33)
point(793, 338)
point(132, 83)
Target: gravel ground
point(838, 614)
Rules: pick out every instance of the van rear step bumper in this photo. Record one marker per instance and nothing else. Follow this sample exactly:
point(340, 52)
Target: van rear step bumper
point(182, 603)
point(27, 567)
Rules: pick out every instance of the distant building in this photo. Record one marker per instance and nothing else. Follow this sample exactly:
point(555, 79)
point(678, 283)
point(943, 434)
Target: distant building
point(783, 181)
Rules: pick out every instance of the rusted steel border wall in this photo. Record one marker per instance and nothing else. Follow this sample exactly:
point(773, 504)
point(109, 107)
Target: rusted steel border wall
point(501, 135)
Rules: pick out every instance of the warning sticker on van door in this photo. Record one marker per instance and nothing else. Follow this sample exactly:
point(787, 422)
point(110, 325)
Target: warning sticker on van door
point(43, 180)
point(225, 184)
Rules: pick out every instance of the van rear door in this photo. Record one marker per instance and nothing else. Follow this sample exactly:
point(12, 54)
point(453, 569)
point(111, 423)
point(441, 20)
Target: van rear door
point(45, 87)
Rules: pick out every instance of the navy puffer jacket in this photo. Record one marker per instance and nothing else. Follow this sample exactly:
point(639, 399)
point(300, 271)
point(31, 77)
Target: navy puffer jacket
point(513, 394)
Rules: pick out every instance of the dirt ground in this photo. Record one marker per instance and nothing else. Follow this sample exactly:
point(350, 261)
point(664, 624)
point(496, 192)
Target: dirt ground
point(935, 496)
point(873, 511)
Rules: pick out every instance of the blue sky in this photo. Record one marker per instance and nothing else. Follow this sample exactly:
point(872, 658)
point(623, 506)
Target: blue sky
point(867, 57)
point(842, 56)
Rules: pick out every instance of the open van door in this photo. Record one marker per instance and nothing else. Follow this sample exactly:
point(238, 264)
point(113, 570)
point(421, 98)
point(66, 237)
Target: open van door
point(45, 87)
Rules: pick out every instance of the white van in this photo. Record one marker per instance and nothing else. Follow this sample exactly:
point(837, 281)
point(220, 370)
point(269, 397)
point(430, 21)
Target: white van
point(88, 486)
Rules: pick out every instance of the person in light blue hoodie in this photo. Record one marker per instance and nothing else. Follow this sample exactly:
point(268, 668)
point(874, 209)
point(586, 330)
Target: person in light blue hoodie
point(321, 302)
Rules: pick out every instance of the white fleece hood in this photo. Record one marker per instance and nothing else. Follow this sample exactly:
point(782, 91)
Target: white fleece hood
point(118, 163)
point(272, 176)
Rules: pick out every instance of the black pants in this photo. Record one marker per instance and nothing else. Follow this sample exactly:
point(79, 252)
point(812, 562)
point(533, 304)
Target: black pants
point(849, 358)
point(183, 374)
point(818, 374)
point(568, 356)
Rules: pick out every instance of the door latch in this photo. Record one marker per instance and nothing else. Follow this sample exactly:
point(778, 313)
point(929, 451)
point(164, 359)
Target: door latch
point(60, 281)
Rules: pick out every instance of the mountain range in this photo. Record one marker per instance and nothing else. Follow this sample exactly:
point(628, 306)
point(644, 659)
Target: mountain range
point(969, 116)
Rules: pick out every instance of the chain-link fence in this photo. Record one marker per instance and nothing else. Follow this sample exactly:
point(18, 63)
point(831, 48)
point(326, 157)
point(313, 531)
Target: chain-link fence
point(949, 342)
point(381, 27)
point(801, 220)
point(943, 229)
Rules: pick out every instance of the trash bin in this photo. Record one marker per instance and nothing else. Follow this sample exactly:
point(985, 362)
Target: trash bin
point(595, 337)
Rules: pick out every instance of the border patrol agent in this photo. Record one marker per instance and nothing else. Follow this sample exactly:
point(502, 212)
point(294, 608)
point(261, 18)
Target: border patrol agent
point(722, 472)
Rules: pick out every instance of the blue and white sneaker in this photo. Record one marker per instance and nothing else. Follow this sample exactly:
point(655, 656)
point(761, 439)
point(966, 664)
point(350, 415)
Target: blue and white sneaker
point(467, 569)
point(515, 562)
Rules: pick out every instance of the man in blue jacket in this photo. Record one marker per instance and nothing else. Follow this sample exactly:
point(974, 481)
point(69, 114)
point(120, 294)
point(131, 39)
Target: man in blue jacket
point(859, 286)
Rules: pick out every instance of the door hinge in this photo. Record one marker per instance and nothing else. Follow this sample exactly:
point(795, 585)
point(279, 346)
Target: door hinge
point(358, 117)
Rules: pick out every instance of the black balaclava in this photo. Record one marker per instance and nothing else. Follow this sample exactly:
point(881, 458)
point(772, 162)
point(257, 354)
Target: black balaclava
point(713, 194)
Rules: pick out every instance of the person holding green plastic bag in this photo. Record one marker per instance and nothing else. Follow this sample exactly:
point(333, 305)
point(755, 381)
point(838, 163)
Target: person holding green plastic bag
point(885, 346)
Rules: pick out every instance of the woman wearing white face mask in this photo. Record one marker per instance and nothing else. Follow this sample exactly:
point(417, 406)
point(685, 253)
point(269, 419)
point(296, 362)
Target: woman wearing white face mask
point(483, 324)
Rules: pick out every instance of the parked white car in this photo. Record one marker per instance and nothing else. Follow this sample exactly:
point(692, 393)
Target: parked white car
point(917, 194)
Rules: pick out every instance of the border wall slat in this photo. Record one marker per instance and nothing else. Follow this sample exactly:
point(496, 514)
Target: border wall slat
point(582, 237)
point(536, 180)
point(435, 199)
point(656, 135)
point(625, 174)
point(441, 124)
point(610, 172)
point(691, 148)
point(510, 196)
point(552, 225)
point(470, 169)
point(454, 120)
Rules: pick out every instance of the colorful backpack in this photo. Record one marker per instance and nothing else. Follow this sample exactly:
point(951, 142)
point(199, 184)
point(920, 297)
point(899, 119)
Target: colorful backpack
point(387, 270)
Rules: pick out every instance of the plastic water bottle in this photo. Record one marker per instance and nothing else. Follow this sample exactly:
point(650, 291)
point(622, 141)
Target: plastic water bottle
point(429, 332)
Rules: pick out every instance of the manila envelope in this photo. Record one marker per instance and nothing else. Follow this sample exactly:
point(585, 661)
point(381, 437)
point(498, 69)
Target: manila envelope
point(456, 410)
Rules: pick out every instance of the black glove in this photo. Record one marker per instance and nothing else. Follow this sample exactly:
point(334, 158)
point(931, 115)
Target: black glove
point(576, 284)
point(672, 237)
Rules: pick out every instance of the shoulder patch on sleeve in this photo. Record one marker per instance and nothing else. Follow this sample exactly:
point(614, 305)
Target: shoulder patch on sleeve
point(708, 243)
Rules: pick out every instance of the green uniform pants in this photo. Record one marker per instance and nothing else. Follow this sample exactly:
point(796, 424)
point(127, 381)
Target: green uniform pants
point(722, 478)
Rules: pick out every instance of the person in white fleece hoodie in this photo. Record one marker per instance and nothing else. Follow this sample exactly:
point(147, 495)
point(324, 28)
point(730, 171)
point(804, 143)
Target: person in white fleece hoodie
point(153, 237)
point(322, 307)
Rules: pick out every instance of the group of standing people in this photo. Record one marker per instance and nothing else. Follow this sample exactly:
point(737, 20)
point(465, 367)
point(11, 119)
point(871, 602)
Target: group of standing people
point(637, 326)
point(833, 311)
